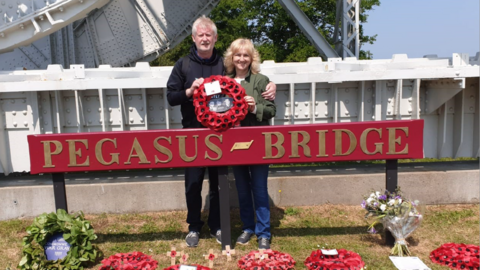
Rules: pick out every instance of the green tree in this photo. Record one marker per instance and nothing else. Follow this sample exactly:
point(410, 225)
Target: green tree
point(275, 34)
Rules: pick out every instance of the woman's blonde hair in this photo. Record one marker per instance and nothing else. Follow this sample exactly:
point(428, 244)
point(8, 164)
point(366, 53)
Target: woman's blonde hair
point(239, 44)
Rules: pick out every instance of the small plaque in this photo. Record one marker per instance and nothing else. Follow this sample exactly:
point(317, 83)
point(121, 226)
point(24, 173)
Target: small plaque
point(222, 104)
point(187, 267)
point(56, 247)
point(213, 88)
point(329, 252)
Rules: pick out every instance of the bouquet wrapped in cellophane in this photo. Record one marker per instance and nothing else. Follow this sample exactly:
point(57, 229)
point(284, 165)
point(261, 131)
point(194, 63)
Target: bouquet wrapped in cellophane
point(398, 215)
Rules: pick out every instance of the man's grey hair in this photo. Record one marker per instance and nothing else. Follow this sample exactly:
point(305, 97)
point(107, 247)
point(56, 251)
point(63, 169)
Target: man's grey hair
point(203, 22)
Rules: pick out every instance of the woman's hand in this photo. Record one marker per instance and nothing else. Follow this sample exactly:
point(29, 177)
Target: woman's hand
point(250, 102)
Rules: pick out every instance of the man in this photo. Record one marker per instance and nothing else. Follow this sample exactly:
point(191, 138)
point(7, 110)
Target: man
point(187, 75)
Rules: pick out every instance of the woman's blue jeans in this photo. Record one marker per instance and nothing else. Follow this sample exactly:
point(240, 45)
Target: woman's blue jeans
point(251, 182)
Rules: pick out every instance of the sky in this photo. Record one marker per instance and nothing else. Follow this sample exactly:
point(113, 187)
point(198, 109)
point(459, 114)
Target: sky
point(422, 27)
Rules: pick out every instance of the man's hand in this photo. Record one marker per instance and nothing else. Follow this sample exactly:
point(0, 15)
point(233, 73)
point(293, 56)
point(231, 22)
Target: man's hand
point(270, 91)
point(250, 102)
point(195, 85)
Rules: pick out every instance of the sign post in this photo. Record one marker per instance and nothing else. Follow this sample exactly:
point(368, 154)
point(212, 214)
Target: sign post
point(76, 152)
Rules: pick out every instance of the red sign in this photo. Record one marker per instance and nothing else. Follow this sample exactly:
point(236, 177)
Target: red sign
point(237, 146)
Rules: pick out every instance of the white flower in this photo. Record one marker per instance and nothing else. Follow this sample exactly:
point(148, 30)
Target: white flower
point(369, 200)
point(383, 207)
point(372, 195)
point(377, 193)
point(399, 201)
point(391, 202)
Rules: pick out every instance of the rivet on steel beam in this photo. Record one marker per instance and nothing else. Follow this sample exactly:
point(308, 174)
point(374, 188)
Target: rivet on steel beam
point(24, 100)
point(25, 123)
point(451, 109)
point(471, 109)
point(88, 110)
point(130, 109)
point(111, 120)
point(41, 17)
point(131, 120)
point(389, 112)
point(151, 119)
point(24, 112)
point(14, 113)
point(110, 109)
point(14, 124)
point(99, 109)
point(100, 121)
point(45, 123)
point(390, 100)
point(129, 97)
point(369, 112)
point(306, 114)
point(316, 113)
point(68, 122)
point(347, 113)
point(296, 104)
point(108, 98)
point(89, 121)
point(22, 26)
point(141, 121)
point(347, 101)
point(12, 101)
point(151, 108)
point(326, 113)
point(161, 119)
point(306, 103)
point(316, 102)
point(410, 110)
point(61, 9)
point(287, 104)
point(373, 116)
point(141, 109)
point(347, 90)
point(68, 110)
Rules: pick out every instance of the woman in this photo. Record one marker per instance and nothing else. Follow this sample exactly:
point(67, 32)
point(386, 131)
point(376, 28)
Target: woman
point(242, 62)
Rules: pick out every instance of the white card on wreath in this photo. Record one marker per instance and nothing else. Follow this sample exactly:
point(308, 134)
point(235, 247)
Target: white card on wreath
point(329, 251)
point(408, 263)
point(213, 88)
point(187, 267)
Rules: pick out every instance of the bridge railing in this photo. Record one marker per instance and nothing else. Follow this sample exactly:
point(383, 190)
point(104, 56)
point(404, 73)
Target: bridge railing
point(443, 92)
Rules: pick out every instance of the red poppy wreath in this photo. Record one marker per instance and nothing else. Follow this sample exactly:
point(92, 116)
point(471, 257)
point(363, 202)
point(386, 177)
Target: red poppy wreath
point(220, 121)
point(266, 260)
point(457, 256)
point(177, 267)
point(345, 260)
point(129, 261)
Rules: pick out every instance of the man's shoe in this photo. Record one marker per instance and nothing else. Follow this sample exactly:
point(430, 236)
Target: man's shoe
point(218, 236)
point(192, 238)
point(263, 243)
point(244, 238)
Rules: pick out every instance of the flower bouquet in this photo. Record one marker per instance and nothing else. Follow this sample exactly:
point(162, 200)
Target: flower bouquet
point(400, 216)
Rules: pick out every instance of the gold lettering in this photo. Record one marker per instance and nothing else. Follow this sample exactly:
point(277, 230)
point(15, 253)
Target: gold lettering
point(303, 143)
point(338, 142)
point(277, 145)
point(73, 154)
point(139, 153)
point(47, 152)
point(363, 141)
point(321, 143)
point(392, 141)
point(162, 149)
point(213, 147)
point(182, 150)
point(99, 155)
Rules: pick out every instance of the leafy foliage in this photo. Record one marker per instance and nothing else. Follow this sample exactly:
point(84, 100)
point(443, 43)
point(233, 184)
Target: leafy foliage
point(76, 231)
point(275, 34)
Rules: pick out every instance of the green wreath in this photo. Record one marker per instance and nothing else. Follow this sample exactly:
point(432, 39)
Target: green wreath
point(76, 231)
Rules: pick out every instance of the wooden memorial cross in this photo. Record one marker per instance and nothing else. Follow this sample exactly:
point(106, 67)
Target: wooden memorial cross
point(172, 254)
point(183, 257)
point(261, 255)
point(229, 252)
point(210, 257)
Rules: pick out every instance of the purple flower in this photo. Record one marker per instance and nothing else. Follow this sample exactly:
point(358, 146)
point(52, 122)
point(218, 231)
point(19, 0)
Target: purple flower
point(372, 230)
point(382, 197)
point(364, 204)
point(398, 197)
point(375, 204)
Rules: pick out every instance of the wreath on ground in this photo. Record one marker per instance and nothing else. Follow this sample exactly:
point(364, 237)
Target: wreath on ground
point(457, 256)
point(266, 260)
point(345, 260)
point(220, 121)
point(177, 267)
point(129, 261)
point(77, 231)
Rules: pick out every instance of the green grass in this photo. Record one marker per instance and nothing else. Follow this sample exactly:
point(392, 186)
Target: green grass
point(296, 230)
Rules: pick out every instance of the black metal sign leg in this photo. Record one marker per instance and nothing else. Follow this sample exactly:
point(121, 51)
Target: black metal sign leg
point(224, 206)
point(391, 173)
point(59, 191)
